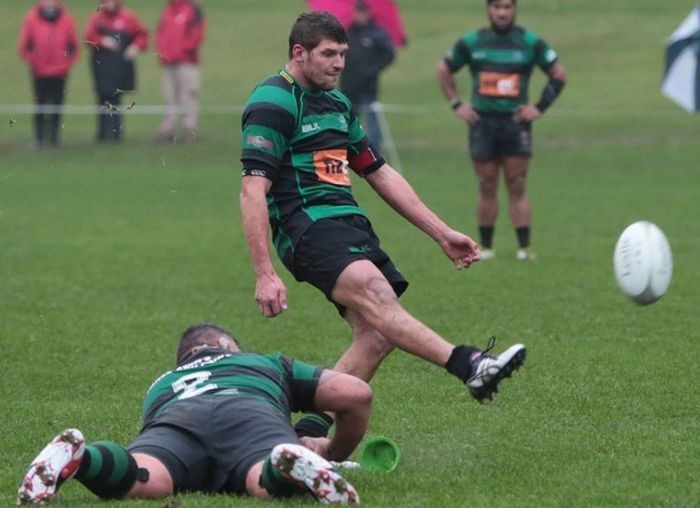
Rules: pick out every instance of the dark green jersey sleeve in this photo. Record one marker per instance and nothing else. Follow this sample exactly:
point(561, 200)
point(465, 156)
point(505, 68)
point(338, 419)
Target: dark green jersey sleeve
point(269, 121)
point(303, 380)
point(460, 54)
point(545, 56)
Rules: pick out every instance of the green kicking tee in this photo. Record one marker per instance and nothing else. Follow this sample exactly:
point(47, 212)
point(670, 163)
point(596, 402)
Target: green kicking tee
point(500, 65)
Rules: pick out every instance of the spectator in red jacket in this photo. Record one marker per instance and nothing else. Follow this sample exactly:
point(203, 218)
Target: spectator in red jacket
point(178, 38)
point(116, 37)
point(48, 42)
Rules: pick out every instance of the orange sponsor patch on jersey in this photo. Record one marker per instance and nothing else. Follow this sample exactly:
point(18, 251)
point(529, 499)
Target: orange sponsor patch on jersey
point(499, 84)
point(332, 166)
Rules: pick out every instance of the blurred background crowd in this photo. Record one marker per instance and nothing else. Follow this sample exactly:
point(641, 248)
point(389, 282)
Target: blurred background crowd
point(50, 43)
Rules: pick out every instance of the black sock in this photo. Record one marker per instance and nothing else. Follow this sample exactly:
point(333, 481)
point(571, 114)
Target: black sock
point(460, 363)
point(486, 235)
point(274, 482)
point(107, 470)
point(523, 234)
point(314, 425)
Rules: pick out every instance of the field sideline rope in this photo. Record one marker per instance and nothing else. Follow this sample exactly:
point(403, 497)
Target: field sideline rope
point(227, 109)
point(152, 109)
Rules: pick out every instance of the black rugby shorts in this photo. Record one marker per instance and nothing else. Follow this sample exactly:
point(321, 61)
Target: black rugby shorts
point(330, 245)
point(209, 443)
point(496, 136)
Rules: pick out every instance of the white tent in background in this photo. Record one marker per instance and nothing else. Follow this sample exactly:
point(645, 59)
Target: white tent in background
point(681, 81)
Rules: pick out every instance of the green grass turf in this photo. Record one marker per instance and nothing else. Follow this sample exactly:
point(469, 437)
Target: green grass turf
point(108, 253)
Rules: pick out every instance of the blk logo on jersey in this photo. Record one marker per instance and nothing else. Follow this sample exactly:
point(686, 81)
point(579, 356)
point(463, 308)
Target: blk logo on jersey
point(332, 166)
point(310, 127)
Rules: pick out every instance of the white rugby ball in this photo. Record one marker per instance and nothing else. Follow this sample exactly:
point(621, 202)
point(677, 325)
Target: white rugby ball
point(643, 262)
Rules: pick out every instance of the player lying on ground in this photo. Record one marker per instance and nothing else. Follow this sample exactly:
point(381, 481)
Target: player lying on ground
point(218, 423)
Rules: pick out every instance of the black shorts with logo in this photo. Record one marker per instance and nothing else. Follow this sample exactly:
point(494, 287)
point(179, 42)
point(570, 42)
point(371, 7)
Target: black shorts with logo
point(209, 443)
point(330, 245)
point(496, 136)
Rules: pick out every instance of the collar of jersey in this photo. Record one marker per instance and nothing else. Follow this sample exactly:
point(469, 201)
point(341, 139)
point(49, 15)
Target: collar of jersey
point(292, 80)
point(211, 352)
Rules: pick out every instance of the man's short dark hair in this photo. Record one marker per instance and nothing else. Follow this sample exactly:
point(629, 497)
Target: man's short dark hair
point(311, 28)
point(489, 2)
point(198, 335)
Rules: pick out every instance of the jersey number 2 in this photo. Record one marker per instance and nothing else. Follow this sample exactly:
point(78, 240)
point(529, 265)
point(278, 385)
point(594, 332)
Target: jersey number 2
point(191, 384)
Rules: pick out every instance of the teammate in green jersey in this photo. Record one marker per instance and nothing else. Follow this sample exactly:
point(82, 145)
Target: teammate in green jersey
point(300, 139)
point(500, 59)
point(218, 423)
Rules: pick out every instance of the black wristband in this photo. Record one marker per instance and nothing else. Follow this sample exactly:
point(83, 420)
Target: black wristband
point(551, 90)
point(455, 103)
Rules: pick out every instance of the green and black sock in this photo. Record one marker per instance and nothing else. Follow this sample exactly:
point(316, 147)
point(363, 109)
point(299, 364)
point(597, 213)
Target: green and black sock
point(274, 481)
point(314, 425)
point(107, 470)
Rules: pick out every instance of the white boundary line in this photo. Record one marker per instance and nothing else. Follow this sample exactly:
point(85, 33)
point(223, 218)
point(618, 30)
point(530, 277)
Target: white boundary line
point(403, 109)
point(130, 109)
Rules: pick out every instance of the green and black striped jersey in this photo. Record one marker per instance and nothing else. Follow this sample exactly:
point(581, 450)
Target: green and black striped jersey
point(305, 141)
point(500, 66)
point(287, 384)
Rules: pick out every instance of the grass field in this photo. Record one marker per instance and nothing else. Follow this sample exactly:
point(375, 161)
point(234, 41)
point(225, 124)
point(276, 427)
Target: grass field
point(108, 253)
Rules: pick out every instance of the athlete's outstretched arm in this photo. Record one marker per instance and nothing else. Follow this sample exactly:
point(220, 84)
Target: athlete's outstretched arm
point(398, 193)
point(270, 291)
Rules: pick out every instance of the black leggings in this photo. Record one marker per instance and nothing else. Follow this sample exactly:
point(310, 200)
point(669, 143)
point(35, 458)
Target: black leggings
point(48, 92)
point(109, 118)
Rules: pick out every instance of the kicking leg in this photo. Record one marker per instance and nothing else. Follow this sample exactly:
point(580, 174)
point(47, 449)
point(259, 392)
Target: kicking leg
point(362, 288)
point(367, 351)
point(361, 359)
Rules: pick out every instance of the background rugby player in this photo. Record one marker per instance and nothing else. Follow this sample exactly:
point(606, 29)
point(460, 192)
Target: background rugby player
point(500, 60)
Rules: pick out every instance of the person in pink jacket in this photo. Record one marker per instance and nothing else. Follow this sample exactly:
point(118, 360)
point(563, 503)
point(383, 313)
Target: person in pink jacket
point(179, 36)
point(48, 42)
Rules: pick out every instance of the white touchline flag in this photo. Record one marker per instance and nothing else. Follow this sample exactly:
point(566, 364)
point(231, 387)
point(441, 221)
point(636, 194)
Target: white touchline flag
point(681, 81)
